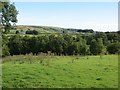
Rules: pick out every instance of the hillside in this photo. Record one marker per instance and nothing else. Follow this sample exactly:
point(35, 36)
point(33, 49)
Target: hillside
point(49, 29)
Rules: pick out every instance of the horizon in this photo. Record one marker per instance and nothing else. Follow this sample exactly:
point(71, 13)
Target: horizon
point(99, 16)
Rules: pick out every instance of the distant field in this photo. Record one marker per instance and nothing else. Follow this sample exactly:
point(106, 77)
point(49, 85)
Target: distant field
point(60, 72)
point(40, 29)
point(48, 29)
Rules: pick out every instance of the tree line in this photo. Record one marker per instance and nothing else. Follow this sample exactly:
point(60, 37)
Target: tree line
point(66, 44)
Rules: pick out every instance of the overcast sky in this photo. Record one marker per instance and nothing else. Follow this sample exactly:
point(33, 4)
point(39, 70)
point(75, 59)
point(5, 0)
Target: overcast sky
point(99, 16)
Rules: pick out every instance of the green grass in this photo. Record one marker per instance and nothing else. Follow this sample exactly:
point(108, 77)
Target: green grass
point(60, 72)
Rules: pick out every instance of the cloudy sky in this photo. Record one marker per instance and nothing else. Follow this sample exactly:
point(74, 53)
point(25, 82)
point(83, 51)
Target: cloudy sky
point(99, 16)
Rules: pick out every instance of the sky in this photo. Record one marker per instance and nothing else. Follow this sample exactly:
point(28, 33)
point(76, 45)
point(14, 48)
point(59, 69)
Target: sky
point(99, 16)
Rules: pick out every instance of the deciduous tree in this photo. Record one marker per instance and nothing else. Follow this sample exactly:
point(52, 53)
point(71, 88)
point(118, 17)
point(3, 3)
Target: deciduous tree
point(9, 15)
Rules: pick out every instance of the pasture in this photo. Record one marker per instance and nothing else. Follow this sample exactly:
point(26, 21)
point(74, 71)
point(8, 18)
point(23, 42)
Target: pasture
point(27, 71)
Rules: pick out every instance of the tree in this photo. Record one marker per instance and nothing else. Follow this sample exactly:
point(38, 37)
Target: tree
point(100, 45)
point(5, 48)
point(113, 48)
point(103, 36)
point(17, 32)
point(56, 44)
point(25, 45)
point(82, 47)
point(15, 45)
point(96, 46)
point(29, 31)
point(35, 32)
point(71, 49)
point(9, 15)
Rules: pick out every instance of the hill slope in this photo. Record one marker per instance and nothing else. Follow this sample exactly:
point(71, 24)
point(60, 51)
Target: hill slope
point(49, 29)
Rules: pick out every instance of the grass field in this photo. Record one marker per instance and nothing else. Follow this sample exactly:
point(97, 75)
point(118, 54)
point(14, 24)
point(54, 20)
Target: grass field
point(60, 72)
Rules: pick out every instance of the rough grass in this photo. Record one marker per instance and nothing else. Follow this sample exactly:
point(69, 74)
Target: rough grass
point(60, 72)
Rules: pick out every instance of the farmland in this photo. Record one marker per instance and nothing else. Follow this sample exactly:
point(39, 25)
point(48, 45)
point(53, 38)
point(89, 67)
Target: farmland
point(60, 60)
point(27, 71)
point(70, 48)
